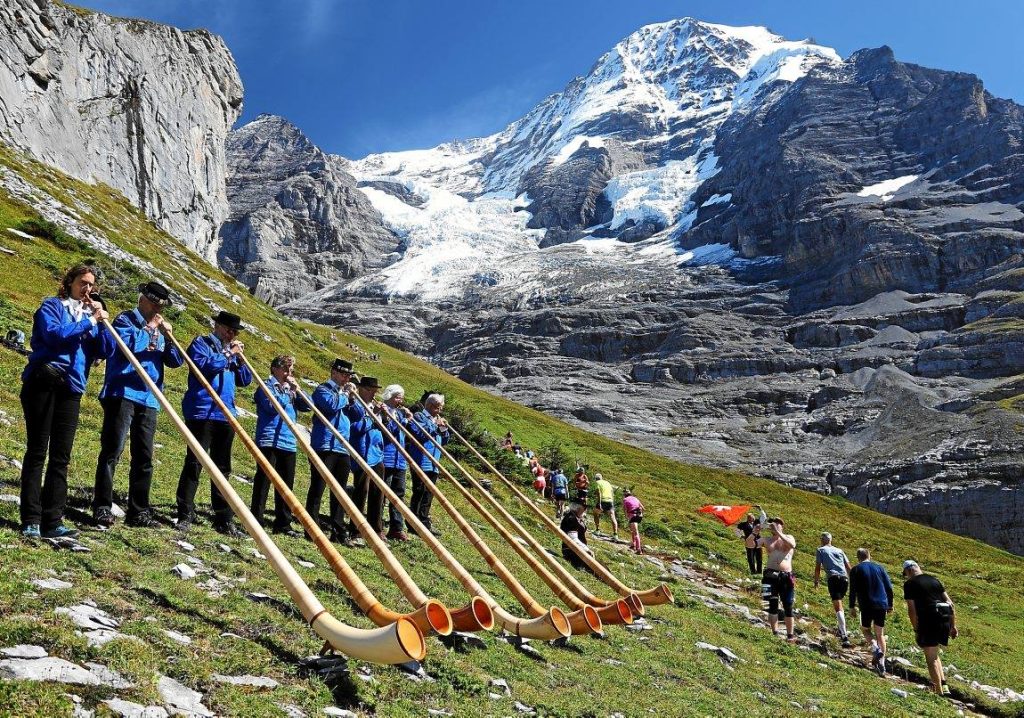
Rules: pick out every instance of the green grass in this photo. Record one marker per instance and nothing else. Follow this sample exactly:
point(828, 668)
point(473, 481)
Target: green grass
point(128, 571)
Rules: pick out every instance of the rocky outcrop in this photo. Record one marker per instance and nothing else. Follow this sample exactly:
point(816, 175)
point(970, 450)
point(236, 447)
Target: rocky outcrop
point(297, 221)
point(140, 106)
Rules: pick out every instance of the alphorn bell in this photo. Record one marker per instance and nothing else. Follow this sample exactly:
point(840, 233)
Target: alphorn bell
point(652, 597)
point(475, 616)
point(431, 616)
point(575, 595)
point(581, 621)
point(400, 642)
point(552, 624)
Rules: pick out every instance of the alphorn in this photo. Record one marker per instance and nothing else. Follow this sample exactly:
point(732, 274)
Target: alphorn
point(431, 616)
point(652, 597)
point(475, 616)
point(550, 625)
point(584, 619)
point(575, 595)
point(400, 642)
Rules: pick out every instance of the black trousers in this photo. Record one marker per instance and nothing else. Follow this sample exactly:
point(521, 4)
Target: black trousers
point(339, 466)
point(395, 479)
point(362, 485)
point(284, 463)
point(123, 418)
point(215, 437)
point(422, 498)
point(754, 556)
point(51, 420)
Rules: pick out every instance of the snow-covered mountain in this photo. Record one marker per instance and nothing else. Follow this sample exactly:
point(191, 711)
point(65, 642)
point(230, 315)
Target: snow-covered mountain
point(638, 132)
point(737, 250)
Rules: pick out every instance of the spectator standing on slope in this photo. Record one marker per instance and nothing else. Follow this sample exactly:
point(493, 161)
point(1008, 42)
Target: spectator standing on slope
point(750, 531)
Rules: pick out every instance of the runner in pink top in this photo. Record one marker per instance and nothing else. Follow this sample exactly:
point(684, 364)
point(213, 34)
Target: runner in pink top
point(635, 512)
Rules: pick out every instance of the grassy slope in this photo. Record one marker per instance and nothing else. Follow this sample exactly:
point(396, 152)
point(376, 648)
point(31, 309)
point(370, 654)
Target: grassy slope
point(128, 572)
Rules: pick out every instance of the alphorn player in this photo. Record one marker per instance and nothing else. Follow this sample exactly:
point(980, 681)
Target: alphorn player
point(276, 440)
point(217, 355)
point(129, 407)
point(66, 340)
point(431, 431)
point(396, 417)
point(334, 400)
point(369, 442)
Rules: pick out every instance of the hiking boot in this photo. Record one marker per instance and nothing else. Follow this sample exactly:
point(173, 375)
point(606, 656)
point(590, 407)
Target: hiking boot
point(104, 517)
point(397, 536)
point(286, 531)
point(31, 532)
point(143, 520)
point(880, 667)
point(846, 642)
point(228, 528)
point(60, 531)
point(383, 535)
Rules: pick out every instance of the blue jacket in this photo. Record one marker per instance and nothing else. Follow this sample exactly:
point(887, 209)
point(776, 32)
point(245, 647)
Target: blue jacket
point(271, 431)
point(334, 405)
point(121, 379)
point(224, 375)
point(870, 584)
point(432, 440)
point(393, 458)
point(368, 439)
point(70, 346)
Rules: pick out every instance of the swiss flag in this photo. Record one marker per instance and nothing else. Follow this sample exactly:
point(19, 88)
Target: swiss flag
point(728, 515)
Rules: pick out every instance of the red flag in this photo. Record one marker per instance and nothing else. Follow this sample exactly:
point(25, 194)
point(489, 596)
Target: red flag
point(728, 515)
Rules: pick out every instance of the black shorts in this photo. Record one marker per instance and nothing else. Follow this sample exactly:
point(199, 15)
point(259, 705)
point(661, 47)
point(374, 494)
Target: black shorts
point(837, 587)
point(607, 506)
point(930, 634)
point(872, 615)
point(636, 518)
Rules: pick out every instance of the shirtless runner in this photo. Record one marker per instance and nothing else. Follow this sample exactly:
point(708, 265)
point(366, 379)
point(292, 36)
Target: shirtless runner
point(778, 585)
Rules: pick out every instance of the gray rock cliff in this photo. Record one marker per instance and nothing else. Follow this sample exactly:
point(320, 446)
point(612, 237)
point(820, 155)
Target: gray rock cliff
point(297, 221)
point(140, 106)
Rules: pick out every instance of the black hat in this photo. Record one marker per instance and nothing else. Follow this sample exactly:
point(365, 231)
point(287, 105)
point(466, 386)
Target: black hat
point(231, 321)
point(342, 365)
point(369, 382)
point(156, 292)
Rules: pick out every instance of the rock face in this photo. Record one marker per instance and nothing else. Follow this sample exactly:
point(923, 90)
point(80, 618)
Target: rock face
point(736, 251)
point(142, 107)
point(297, 221)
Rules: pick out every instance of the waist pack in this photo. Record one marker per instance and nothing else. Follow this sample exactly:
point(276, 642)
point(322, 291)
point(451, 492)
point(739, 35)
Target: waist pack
point(47, 376)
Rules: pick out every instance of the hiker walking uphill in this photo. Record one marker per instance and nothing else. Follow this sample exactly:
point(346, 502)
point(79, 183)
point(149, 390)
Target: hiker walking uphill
point(276, 441)
point(933, 617)
point(605, 504)
point(333, 399)
point(871, 587)
point(837, 572)
point(218, 357)
point(750, 530)
point(778, 584)
point(634, 511)
point(129, 407)
point(559, 491)
point(431, 431)
point(66, 340)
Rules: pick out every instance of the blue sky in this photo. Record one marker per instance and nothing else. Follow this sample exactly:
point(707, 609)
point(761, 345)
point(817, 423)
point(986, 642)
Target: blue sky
point(361, 76)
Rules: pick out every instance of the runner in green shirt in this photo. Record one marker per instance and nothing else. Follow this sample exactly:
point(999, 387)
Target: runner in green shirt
point(605, 504)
